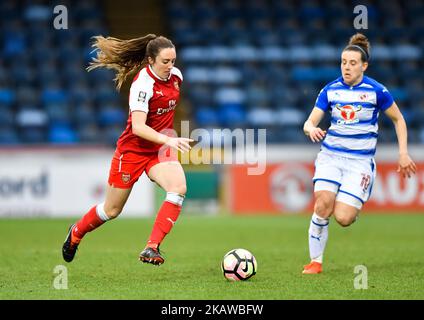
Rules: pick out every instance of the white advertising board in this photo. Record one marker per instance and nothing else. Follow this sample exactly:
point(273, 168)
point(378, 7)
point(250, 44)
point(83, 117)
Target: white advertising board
point(62, 182)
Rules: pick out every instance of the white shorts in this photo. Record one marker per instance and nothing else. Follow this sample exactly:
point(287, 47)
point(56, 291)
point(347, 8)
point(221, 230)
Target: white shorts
point(351, 179)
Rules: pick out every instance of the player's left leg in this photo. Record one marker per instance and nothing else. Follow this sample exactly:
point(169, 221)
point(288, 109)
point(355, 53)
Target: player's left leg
point(93, 219)
point(169, 176)
point(355, 189)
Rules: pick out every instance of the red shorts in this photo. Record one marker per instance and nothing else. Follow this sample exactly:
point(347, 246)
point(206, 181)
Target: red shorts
point(126, 168)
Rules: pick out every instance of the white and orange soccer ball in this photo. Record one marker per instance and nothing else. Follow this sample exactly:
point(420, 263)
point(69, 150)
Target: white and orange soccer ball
point(239, 264)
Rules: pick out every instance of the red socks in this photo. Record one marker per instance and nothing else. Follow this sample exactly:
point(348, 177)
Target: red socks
point(88, 222)
point(165, 220)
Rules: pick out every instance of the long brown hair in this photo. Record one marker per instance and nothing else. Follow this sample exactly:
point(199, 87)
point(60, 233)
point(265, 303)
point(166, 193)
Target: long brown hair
point(359, 42)
point(126, 56)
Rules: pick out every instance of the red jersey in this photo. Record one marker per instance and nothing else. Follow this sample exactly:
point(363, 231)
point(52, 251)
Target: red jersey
point(158, 98)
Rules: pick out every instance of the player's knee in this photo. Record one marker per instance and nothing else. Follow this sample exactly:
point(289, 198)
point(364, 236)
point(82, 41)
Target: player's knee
point(178, 188)
point(113, 211)
point(323, 207)
point(344, 221)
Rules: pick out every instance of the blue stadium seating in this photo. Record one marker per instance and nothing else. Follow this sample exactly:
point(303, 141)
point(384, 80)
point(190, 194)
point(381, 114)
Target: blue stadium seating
point(62, 134)
point(247, 63)
point(277, 55)
point(46, 95)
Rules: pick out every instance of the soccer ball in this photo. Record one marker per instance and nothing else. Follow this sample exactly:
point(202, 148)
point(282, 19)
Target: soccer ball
point(239, 264)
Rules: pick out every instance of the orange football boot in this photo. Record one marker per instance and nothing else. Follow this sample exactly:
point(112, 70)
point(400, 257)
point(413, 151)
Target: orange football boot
point(312, 268)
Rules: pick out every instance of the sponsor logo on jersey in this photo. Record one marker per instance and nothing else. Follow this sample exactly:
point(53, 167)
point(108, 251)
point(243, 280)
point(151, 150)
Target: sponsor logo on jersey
point(172, 105)
point(349, 113)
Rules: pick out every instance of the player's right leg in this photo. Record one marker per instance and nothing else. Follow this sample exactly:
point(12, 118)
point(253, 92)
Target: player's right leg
point(326, 179)
point(124, 172)
point(318, 230)
point(94, 218)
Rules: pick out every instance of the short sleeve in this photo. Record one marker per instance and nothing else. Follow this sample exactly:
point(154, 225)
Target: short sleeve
point(384, 99)
point(140, 94)
point(178, 73)
point(322, 100)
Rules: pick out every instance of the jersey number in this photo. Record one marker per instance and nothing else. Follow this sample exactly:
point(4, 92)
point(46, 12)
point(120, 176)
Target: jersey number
point(365, 182)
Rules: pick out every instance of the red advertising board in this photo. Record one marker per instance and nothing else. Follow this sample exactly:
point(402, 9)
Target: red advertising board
point(287, 187)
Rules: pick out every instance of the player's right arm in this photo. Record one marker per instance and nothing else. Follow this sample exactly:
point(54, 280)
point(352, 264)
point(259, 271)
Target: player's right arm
point(311, 129)
point(141, 129)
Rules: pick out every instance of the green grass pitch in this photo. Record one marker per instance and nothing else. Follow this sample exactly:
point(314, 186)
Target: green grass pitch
point(106, 266)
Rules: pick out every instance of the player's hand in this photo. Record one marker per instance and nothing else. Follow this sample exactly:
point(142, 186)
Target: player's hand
point(180, 144)
point(317, 134)
point(406, 166)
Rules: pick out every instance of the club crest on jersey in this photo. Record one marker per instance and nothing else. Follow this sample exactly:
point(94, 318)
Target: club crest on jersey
point(126, 177)
point(363, 97)
point(349, 113)
point(176, 85)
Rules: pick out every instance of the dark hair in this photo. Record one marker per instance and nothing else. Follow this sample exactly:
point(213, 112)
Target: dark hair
point(359, 42)
point(126, 56)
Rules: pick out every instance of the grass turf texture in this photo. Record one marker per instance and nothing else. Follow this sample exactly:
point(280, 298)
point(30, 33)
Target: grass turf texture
point(107, 267)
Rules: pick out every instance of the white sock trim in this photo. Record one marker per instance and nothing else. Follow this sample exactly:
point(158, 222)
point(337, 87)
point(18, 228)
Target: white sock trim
point(318, 259)
point(101, 213)
point(321, 221)
point(175, 198)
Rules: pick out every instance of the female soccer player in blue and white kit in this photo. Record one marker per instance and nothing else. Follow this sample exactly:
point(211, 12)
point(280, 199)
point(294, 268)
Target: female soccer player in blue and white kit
point(345, 168)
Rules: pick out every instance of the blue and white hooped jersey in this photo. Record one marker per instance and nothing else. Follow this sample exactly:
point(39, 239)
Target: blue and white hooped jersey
point(354, 116)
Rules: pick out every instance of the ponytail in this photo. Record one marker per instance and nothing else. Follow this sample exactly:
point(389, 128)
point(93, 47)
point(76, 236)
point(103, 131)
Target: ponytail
point(126, 56)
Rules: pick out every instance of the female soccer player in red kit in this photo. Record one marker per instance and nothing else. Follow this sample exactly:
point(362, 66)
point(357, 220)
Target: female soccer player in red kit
point(154, 95)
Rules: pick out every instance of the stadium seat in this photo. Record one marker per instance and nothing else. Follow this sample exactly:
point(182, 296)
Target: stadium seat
point(7, 96)
point(110, 115)
point(8, 135)
point(62, 134)
point(232, 116)
point(6, 117)
point(32, 135)
point(261, 117)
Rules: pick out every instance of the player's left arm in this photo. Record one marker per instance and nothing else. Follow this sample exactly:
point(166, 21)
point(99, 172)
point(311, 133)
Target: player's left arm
point(406, 166)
